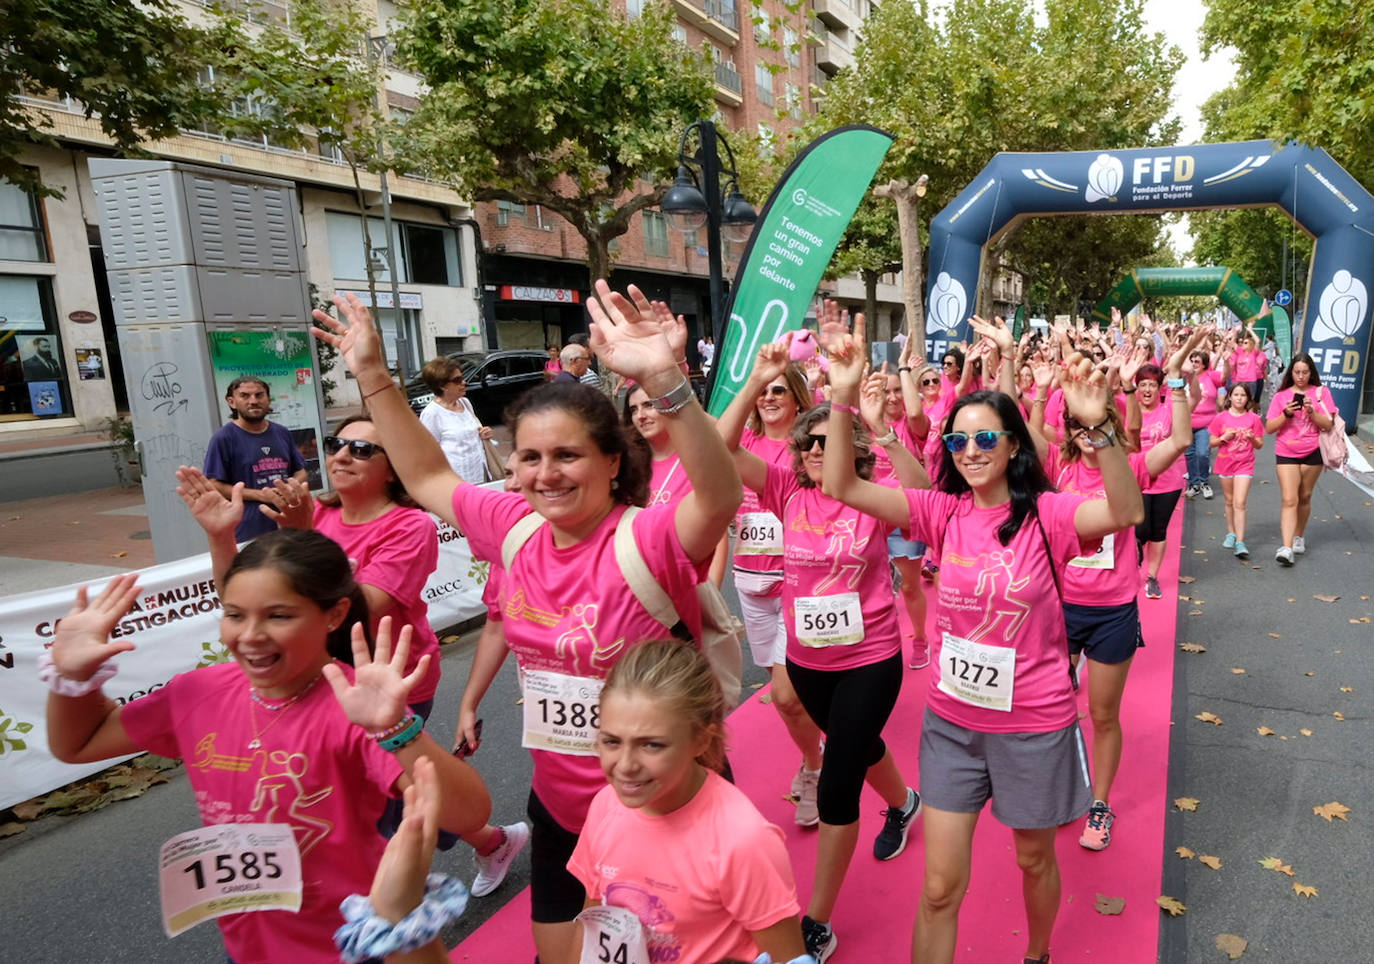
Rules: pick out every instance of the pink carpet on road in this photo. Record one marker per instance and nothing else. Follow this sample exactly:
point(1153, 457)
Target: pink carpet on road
point(878, 904)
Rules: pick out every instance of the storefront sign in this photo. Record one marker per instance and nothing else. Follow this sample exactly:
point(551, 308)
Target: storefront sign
point(411, 300)
point(82, 317)
point(566, 296)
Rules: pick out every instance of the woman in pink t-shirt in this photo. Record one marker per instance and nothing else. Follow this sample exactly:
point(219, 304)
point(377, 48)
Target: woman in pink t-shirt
point(1156, 425)
point(1001, 709)
point(1199, 454)
point(284, 734)
point(760, 420)
point(670, 840)
point(1236, 433)
point(569, 613)
point(1299, 412)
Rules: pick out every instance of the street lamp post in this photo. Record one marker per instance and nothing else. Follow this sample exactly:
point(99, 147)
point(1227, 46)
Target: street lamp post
point(695, 201)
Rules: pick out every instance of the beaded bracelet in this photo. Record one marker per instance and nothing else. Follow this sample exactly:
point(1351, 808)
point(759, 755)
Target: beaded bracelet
point(407, 735)
point(368, 936)
point(65, 685)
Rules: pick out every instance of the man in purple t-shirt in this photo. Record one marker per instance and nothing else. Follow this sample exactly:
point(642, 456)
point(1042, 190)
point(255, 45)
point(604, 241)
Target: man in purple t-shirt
point(252, 450)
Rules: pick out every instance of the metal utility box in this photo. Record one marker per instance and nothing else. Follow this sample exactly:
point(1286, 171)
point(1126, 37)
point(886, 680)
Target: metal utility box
point(207, 279)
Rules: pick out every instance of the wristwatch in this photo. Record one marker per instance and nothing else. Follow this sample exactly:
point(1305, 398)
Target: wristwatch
point(1174, 382)
point(1098, 436)
point(675, 400)
point(887, 439)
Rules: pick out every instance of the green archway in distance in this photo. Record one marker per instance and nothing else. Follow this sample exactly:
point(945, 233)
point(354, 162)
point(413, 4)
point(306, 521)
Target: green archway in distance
point(1228, 287)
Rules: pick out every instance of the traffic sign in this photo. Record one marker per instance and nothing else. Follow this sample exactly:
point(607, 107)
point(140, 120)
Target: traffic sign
point(1283, 298)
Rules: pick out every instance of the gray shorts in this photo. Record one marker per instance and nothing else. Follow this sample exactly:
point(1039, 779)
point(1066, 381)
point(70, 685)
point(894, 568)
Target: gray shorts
point(1035, 780)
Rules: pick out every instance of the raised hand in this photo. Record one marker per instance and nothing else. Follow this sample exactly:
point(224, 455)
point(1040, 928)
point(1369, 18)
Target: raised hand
point(674, 326)
point(872, 401)
point(294, 508)
point(1174, 366)
point(377, 697)
point(398, 886)
point(212, 511)
point(848, 350)
point(1138, 355)
point(1045, 374)
point(773, 359)
point(996, 332)
point(1085, 390)
point(354, 334)
point(82, 642)
point(815, 374)
point(628, 339)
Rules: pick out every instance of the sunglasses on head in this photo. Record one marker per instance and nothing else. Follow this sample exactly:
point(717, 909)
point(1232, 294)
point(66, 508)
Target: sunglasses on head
point(986, 440)
point(357, 448)
point(777, 391)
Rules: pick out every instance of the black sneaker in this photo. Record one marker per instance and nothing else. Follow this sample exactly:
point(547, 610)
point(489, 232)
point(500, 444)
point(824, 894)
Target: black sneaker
point(897, 823)
point(820, 939)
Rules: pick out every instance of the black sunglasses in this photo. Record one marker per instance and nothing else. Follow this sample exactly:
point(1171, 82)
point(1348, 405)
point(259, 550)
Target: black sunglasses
point(929, 381)
point(812, 441)
point(357, 448)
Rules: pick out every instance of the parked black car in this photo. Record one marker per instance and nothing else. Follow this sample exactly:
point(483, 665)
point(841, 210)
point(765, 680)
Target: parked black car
point(495, 379)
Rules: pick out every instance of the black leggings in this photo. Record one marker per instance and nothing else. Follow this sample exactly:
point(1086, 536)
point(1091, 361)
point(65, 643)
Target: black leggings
point(1159, 509)
point(851, 706)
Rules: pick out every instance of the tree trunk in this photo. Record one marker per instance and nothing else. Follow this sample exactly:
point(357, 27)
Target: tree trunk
point(908, 204)
point(870, 300)
point(598, 256)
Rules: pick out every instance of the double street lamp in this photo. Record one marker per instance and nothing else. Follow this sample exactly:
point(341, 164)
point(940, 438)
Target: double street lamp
point(695, 200)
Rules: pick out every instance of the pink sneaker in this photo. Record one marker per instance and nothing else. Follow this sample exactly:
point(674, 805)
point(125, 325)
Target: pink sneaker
point(920, 655)
point(1097, 832)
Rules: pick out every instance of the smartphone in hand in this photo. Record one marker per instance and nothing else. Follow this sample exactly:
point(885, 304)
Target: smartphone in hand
point(462, 751)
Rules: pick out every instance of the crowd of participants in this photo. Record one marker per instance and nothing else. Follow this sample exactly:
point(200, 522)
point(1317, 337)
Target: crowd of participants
point(966, 487)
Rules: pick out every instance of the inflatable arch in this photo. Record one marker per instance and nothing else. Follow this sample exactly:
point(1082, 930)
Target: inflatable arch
point(1222, 283)
point(1305, 182)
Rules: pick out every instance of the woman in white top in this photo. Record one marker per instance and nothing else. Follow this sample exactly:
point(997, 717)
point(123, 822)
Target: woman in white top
point(451, 420)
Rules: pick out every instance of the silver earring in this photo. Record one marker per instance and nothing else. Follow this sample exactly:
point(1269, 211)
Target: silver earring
point(615, 484)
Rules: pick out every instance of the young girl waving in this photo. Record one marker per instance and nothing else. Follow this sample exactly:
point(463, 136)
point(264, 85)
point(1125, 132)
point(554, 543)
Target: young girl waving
point(670, 840)
point(264, 738)
point(1236, 434)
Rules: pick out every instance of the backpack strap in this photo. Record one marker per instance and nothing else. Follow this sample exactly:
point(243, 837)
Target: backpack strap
point(519, 534)
point(641, 581)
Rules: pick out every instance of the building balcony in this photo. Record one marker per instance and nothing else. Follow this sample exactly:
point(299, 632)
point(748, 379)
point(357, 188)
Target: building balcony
point(718, 19)
point(729, 87)
point(832, 56)
point(831, 12)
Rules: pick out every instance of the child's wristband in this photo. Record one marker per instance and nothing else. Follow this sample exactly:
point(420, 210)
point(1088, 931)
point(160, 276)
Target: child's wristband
point(402, 734)
point(65, 686)
point(367, 936)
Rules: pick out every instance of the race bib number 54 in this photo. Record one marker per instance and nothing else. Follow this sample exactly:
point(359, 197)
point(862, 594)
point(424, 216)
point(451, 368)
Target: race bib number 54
point(562, 713)
point(228, 869)
point(612, 935)
point(976, 674)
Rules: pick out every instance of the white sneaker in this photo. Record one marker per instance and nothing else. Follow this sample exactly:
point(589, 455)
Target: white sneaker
point(1207, 492)
point(1299, 545)
point(492, 868)
point(1190, 492)
point(1284, 556)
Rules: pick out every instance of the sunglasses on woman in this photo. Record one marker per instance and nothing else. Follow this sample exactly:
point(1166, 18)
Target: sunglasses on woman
point(357, 448)
point(986, 440)
point(777, 391)
point(929, 381)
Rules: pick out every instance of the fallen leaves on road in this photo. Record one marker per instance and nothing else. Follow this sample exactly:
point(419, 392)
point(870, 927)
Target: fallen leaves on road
point(1339, 715)
point(766, 698)
point(1277, 865)
point(1232, 945)
point(1276, 636)
point(1303, 890)
point(1192, 647)
point(1172, 905)
point(1347, 689)
point(1309, 673)
point(1237, 670)
point(1325, 598)
point(1208, 717)
point(1305, 732)
point(1184, 852)
point(1265, 731)
point(1109, 906)
point(1195, 612)
point(11, 828)
point(1210, 861)
point(1187, 803)
point(1329, 810)
point(1187, 579)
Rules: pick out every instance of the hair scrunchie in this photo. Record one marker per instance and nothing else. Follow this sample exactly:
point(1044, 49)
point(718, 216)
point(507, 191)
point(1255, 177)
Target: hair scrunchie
point(367, 936)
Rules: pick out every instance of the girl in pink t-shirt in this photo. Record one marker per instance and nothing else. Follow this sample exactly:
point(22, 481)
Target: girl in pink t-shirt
point(760, 420)
point(1300, 411)
point(1157, 424)
point(843, 643)
point(1236, 434)
point(670, 840)
point(569, 614)
point(1199, 455)
point(1001, 710)
point(1101, 615)
point(264, 739)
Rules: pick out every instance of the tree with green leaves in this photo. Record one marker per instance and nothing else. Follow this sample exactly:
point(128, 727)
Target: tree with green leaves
point(132, 65)
point(986, 76)
point(567, 104)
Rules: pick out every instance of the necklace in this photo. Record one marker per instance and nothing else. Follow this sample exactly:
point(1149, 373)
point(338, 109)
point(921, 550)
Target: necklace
point(256, 742)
